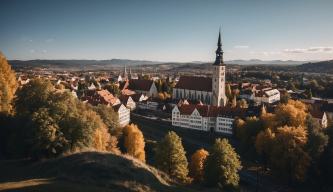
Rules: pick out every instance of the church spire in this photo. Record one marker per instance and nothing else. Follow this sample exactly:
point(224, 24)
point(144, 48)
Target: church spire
point(219, 51)
point(125, 73)
point(219, 44)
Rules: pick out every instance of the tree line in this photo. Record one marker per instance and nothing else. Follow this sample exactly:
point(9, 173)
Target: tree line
point(290, 142)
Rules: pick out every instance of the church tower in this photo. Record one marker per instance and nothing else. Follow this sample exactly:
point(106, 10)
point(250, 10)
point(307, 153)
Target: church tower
point(219, 98)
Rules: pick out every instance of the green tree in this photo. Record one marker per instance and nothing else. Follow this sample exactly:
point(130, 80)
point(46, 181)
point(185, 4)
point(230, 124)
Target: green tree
point(246, 132)
point(325, 163)
point(57, 122)
point(109, 117)
point(317, 139)
point(222, 165)
point(113, 88)
point(46, 138)
point(8, 85)
point(170, 156)
point(288, 156)
point(32, 96)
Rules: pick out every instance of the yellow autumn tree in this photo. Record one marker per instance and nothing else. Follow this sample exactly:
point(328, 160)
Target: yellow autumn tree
point(134, 142)
point(292, 114)
point(197, 164)
point(8, 85)
point(101, 138)
point(288, 154)
point(263, 141)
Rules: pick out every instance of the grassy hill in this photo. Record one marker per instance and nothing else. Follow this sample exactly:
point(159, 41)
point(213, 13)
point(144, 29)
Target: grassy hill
point(318, 67)
point(87, 171)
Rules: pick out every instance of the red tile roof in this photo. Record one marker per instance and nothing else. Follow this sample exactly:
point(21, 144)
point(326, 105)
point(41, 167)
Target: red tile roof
point(95, 97)
point(195, 83)
point(212, 111)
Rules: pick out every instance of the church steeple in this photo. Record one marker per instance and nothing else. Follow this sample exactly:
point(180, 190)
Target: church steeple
point(218, 77)
point(125, 75)
point(219, 51)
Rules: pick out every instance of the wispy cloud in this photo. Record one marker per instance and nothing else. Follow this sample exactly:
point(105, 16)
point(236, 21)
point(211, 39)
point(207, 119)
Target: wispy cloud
point(49, 40)
point(241, 46)
point(266, 52)
point(310, 50)
point(32, 51)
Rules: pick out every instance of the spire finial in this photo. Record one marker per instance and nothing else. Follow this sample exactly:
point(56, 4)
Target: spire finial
point(219, 40)
point(219, 52)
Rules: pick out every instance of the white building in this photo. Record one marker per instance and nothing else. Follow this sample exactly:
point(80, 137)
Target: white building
point(267, 96)
point(206, 118)
point(123, 114)
point(128, 101)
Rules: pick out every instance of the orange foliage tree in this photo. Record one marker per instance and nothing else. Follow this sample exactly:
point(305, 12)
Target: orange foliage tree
point(134, 142)
point(197, 164)
point(8, 85)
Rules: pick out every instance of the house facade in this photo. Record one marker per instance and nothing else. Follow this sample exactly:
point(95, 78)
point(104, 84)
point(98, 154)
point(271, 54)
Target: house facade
point(206, 117)
point(123, 114)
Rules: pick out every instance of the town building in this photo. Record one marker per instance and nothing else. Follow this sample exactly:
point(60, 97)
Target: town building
point(209, 90)
point(104, 97)
point(206, 117)
point(123, 114)
point(143, 86)
point(128, 101)
point(210, 113)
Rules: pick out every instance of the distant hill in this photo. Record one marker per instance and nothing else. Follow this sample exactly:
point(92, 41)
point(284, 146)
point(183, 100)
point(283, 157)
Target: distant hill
point(87, 171)
point(264, 62)
point(317, 67)
point(79, 64)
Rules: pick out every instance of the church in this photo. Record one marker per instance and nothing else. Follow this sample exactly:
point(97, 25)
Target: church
point(208, 90)
point(213, 115)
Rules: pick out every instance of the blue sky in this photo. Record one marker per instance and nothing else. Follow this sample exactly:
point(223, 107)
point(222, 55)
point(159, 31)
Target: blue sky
point(179, 30)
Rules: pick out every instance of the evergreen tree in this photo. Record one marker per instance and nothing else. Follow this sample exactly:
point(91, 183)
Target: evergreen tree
point(222, 165)
point(170, 156)
point(8, 85)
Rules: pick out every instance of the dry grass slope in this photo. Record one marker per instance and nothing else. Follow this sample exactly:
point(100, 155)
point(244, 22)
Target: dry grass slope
point(86, 171)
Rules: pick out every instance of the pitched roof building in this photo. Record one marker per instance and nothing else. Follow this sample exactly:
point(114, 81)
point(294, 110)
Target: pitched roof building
point(209, 90)
point(206, 117)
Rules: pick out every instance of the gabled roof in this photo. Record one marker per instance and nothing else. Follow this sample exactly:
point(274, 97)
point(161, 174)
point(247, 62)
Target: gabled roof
point(117, 107)
point(212, 111)
point(95, 97)
point(195, 83)
point(140, 84)
point(136, 97)
point(317, 113)
point(186, 109)
point(124, 98)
